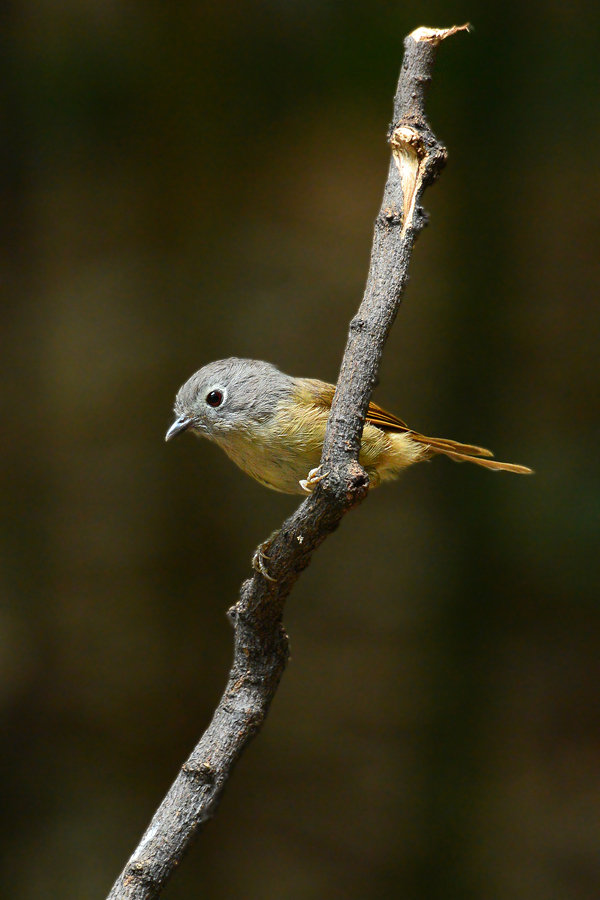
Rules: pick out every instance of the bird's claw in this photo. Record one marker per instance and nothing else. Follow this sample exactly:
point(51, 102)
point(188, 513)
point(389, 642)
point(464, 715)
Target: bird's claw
point(258, 560)
point(309, 483)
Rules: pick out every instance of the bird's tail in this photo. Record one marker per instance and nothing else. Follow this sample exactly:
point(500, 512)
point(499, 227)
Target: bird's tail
point(465, 453)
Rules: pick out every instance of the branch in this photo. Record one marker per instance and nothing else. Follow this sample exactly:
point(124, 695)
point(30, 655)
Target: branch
point(261, 644)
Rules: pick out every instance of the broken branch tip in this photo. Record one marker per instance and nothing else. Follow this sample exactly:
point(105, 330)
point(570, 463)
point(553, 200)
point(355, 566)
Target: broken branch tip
point(437, 35)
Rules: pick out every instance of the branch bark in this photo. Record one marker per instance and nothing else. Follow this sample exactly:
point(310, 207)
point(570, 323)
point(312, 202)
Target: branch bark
point(261, 644)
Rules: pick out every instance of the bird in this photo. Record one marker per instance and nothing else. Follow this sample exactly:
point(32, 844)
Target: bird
point(272, 425)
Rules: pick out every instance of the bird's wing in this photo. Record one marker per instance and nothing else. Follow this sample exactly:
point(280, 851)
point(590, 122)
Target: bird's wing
point(380, 417)
point(320, 393)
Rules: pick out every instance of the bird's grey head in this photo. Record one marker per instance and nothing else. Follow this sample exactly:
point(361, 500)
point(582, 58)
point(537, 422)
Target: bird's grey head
point(228, 395)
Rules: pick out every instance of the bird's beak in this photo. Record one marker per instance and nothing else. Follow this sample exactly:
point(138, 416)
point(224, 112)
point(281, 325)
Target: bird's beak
point(179, 425)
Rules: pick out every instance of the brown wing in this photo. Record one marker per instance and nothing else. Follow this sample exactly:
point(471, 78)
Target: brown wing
point(380, 417)
point(387, 422)
point(320, 393)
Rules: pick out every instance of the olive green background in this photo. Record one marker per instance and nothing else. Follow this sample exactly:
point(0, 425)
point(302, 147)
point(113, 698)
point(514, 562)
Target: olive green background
point(187, 181)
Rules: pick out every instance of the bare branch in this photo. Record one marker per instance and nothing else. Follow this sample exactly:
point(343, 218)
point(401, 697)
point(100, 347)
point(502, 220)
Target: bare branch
point(261, 644)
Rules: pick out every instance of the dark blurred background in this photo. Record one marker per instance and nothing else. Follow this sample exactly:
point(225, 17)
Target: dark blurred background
point(183, 182)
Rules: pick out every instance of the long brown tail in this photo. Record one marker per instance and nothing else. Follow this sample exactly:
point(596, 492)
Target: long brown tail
point(466, 453)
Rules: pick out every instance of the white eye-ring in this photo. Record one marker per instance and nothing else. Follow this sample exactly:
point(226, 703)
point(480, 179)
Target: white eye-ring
point(216, 396)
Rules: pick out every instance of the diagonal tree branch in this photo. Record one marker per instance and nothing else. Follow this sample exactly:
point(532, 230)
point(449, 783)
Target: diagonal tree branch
point(261, 644)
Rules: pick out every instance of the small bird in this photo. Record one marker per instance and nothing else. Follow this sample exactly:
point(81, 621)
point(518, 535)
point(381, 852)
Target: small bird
point(273, 426)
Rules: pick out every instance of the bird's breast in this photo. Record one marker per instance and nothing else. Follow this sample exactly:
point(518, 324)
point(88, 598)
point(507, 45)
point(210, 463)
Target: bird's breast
point(280, 451)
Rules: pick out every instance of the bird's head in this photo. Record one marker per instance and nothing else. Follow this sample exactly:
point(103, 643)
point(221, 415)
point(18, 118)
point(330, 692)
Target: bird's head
point(228, 396)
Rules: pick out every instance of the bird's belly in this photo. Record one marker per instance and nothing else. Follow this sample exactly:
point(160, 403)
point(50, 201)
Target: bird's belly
point(274, 462)
point(282, 452)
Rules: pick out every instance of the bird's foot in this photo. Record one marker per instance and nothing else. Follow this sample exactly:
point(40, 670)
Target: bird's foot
point(309, 483)
point(260, 555)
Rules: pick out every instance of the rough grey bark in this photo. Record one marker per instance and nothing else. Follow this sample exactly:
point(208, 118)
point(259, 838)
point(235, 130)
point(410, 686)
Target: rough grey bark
point(261, 644)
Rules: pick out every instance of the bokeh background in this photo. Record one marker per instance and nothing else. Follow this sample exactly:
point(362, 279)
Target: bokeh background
point(187, 181)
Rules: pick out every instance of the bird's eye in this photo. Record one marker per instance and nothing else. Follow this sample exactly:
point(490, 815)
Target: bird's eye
point(214, 398)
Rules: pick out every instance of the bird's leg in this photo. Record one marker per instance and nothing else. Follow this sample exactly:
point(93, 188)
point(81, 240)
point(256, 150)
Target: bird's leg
point(258, 560)
point(309, 483)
